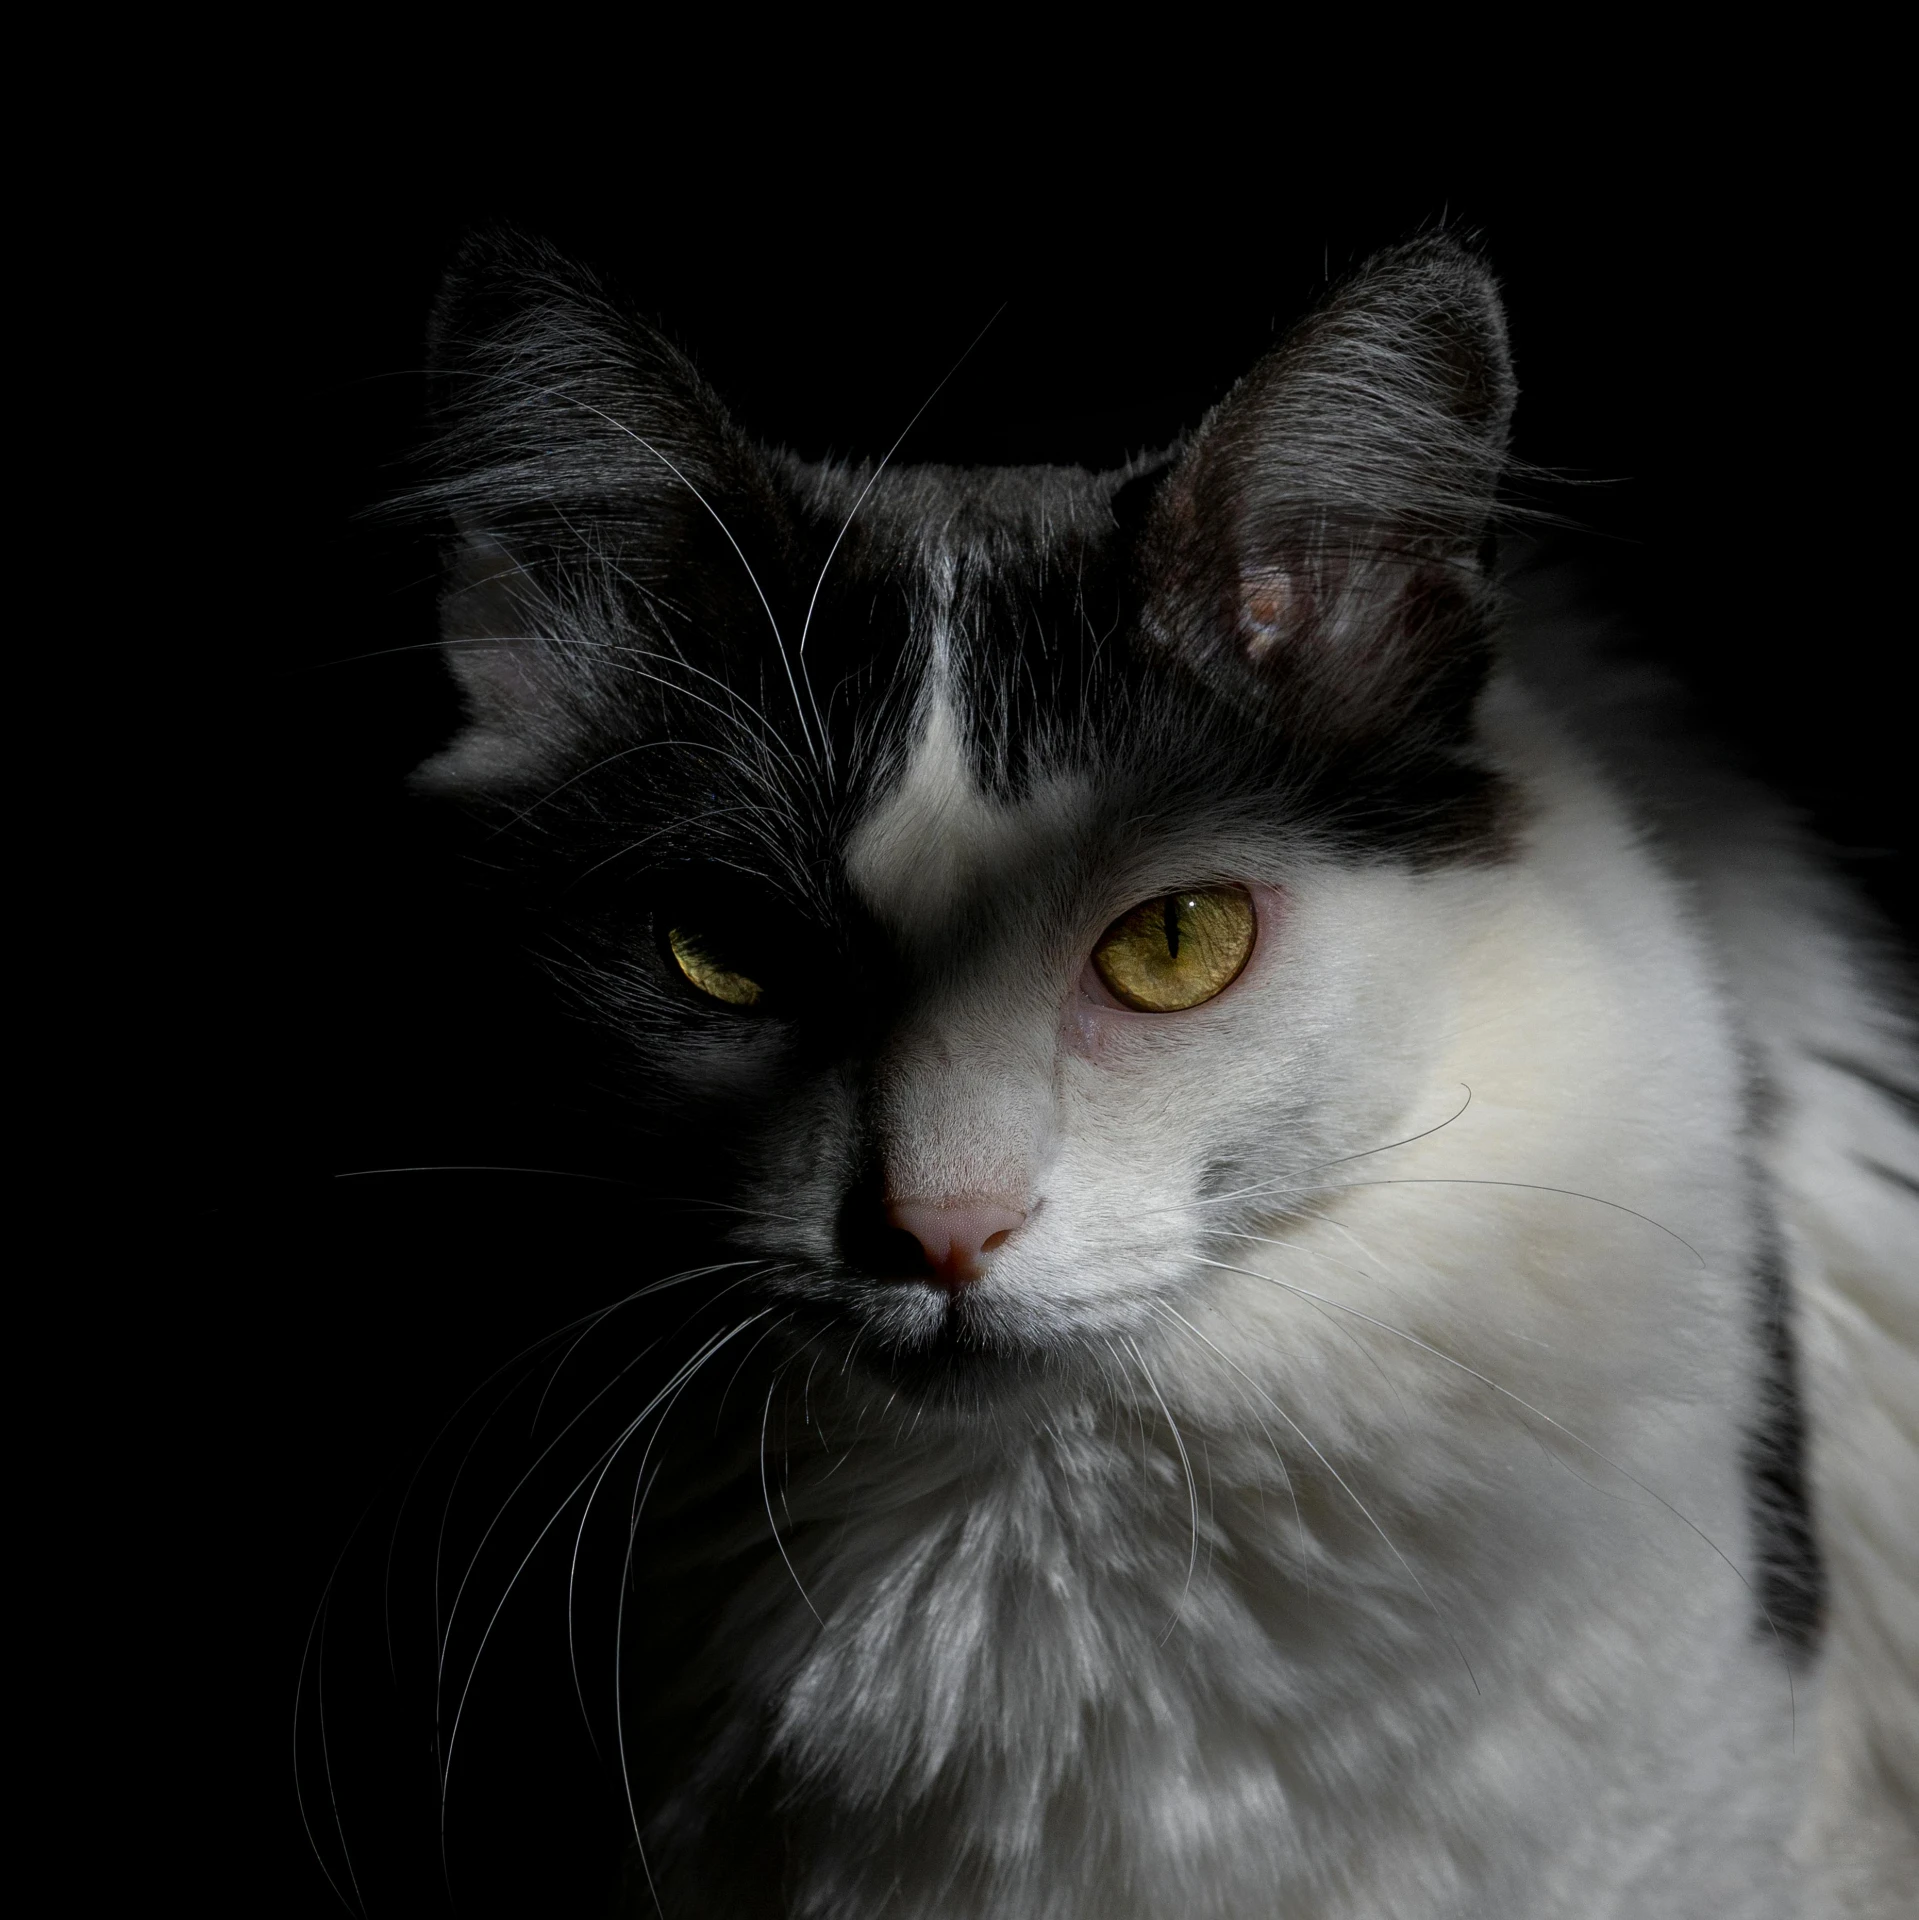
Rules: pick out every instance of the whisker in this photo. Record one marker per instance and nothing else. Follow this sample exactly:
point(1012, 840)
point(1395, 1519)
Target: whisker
point(326, 1755)
point(443, 1631)
point(1192, 1489)
point(545, 1453)
point(766, 1333)
point(1530, 1186)
point(664, 1395)
point(872, 479)
point(599, 766)
point(768, 735)
point(1272, 1186)
point(605, 1466)
point(619, 1622)
point(1372, 1271)
point(639, 1293)
point(399, 1517)
point(1392, 1547)
point(317, 1627)
point(620, 426)
point(1411, 1137)
point(766, 1493)
point(550, 1173)
point(1598, 1453)
point(1295, 1188)
point(616, 652)
point(778, 639)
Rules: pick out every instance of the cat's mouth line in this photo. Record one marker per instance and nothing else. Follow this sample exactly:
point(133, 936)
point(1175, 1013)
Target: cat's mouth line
point(1013, 1278)
point(915, 1332)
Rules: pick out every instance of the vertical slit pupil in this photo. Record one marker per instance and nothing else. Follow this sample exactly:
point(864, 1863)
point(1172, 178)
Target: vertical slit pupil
point(1171, 911)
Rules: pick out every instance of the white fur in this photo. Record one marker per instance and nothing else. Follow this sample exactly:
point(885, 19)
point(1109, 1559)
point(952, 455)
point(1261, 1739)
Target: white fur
point(1389, 1558)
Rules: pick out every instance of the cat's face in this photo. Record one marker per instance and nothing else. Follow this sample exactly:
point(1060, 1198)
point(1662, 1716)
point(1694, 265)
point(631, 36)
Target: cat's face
point(1076, 1151)
point(984, 883)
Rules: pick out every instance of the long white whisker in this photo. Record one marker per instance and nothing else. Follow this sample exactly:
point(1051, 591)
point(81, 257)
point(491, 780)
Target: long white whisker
point(1392, 1547)
point(675, 657)
point(1391, 1145)
point(767, 734)
point(766, 1333)
point(665, 1394)
point(586, 1512)
point(1598, 1453)
point(598, 766)
point(326, 1755)
point(766, 1493)
point(1192, 1489)
point(317, 1627)
point(549, 1173)
point(639, 1293)
point(620, 426)
point(1367, 1268)
point(846, 524)
point(1300, 1189)
point(544, 1454)
point(778, 639)
point(619, 1622)
point(1524, 1186)
point(525, 1353)
point(443, 1626)
point(1291, 1181)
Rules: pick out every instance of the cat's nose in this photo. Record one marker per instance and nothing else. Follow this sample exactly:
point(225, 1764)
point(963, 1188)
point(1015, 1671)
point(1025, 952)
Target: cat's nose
point(958, 1237)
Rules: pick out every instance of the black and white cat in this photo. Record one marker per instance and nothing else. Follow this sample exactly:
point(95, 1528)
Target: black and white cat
point(1280, 1168)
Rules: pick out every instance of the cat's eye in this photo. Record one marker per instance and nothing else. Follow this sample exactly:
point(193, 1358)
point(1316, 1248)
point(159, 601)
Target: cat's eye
point(1179, 950)
point(696, 959)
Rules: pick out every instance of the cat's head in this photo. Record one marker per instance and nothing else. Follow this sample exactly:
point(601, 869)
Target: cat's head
point(989, 885)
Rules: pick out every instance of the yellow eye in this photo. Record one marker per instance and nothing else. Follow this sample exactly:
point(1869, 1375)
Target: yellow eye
point(1179, 951)
point(693, 959)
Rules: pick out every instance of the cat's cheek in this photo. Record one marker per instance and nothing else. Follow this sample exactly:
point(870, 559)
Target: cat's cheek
point(1088, 1030)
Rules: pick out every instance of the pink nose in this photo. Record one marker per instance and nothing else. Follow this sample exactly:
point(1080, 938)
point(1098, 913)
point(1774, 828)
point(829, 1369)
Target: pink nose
point(958, 1237)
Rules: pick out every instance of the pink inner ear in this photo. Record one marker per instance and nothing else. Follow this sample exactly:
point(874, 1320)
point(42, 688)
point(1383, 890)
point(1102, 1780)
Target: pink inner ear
point(1268, 602)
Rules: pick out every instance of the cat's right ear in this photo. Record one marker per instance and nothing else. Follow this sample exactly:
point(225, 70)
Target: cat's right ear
point(582, 464)
point(1319, 549)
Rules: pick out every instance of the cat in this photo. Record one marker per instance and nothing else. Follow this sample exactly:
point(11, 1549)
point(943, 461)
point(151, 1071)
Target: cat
point(1301, 1296)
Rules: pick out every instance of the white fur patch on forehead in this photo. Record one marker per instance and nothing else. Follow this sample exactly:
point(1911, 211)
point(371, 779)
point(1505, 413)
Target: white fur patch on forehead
point(937, 835)
point(933, 833)
point(937, 838)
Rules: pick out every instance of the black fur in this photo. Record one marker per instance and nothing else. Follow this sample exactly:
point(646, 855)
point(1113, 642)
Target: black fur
point(599, 611)
point(1790, 1573)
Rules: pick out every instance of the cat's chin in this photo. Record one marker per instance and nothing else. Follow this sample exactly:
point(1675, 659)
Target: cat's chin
point(936, 1348)
point(962, 1377)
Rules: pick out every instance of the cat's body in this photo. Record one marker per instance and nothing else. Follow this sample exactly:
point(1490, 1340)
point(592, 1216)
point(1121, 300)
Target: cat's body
point(1360, 1473)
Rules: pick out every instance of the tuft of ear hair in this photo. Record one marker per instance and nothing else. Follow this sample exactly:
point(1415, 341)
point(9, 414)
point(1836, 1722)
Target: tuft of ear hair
point(505, 651)
point(586, 469)
point(1320, 549)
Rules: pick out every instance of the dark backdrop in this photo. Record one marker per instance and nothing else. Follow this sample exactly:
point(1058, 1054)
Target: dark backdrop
point(1704, 348)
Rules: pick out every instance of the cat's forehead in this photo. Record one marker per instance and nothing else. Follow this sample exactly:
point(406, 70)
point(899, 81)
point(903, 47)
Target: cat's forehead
point(941, 818)
point(1014, 729)
point(1005, 587)
point(937, 837)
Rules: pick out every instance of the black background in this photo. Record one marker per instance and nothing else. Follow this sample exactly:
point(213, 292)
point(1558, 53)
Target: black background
point(1706, 341)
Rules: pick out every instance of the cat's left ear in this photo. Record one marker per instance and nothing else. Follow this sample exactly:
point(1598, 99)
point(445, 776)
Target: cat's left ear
point(1320, 549)
point(600, 501)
